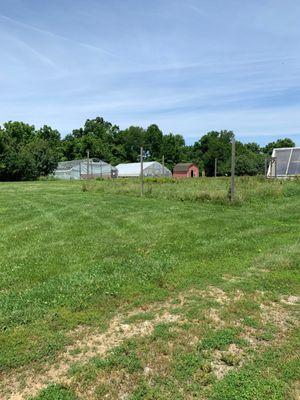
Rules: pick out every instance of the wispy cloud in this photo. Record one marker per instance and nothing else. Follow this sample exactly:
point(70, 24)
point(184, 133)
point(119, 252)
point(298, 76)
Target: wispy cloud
point(189, 66)
point(55, 35)
point(39, 55)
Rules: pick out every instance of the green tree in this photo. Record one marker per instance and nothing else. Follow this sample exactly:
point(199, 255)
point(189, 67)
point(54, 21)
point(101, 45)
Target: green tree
point(130, 141)
point(248, 162)
point(25, 154)
point(278, 144)
point(98, 136)
point(192, 154)
point(153, 142)
point(253, 147)
point(173, 149)
point(215, 145)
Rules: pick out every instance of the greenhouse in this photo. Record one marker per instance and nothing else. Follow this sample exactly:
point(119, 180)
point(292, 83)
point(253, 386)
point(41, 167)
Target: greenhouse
point(150, 168)
point(285, 162)
point(84, 169)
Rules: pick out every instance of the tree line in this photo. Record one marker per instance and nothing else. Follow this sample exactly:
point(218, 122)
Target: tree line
point(27, 153)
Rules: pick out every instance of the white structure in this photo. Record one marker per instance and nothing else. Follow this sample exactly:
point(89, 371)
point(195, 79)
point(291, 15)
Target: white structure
point(84, 169)
point(285, 163)
point(150, 168)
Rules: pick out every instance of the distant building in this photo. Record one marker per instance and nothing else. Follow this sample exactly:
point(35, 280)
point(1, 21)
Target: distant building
point(84, 169)
point(150, 168)
point(285, 162)
point(186, 170)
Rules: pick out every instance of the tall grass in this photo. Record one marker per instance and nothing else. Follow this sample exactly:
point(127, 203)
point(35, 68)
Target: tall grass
point(202, 189)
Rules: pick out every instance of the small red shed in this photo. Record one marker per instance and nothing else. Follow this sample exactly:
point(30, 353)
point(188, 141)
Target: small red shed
point(186, 170)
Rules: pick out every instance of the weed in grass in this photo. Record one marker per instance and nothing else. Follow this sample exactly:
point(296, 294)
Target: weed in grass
point(163, 331)
point(246, 386)
point(219, 339)
point(250, 321)
point(265, 336)
point(142, 316)
point(101, 391)
point(145, 392)
point(231, 359)
point(185, 365)
point(55, 392)
point(124, 357)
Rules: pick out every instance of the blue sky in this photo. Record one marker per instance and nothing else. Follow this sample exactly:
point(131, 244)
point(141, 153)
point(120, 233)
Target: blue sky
point(188, 65)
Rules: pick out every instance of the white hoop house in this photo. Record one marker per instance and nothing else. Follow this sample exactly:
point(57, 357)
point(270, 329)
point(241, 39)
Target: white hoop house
point(285, 163)
point(84, 169)
point(150, 168)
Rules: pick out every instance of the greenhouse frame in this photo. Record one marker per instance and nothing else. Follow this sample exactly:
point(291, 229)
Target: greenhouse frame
point(84, 169)
point(150, 169)
point(285, 163)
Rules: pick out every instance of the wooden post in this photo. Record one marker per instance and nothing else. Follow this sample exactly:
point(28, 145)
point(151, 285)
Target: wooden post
point(266, 167)
point(232, 183)
point(142, 172)
point(163, 164)
point(216, 167)
point(88, 164)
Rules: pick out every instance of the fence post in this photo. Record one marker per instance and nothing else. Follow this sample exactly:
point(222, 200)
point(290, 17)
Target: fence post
point(88, 164)
point(232, 182)
point(142, 172)
point(163, 164)
point(266, 167)
point(216, 167)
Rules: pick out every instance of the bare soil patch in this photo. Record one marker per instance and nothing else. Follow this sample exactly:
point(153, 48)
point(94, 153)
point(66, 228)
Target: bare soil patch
point(88, 343)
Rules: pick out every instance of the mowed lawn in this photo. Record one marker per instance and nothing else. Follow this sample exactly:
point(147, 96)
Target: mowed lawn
point(203, 294)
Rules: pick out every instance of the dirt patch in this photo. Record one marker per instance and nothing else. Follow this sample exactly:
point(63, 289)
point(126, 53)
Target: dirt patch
point(217, 294)
point(277, 315)
point(89, 344)
point(271, 314)
point(291, 300)
point(295, 390)
point(224, 361)
point(213, 315)
point(211, 293)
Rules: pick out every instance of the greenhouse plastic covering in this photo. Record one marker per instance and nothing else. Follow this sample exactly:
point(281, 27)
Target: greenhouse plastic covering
point(79, 169)
point(150, 168)
point(285, 162)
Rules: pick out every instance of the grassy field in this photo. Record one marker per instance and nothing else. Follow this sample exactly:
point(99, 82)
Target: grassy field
point(176, 295)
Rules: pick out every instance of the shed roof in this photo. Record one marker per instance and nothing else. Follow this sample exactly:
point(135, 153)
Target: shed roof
point(182, 167)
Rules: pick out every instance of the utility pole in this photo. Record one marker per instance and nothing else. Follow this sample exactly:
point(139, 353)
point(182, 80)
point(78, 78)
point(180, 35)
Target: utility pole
point(216, 167)
point(142, 172)
point(232, 183)
point(88, 163)
point(163, 164)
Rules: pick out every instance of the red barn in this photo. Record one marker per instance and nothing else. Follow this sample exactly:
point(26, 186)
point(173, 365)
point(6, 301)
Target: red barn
point(186, 170)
